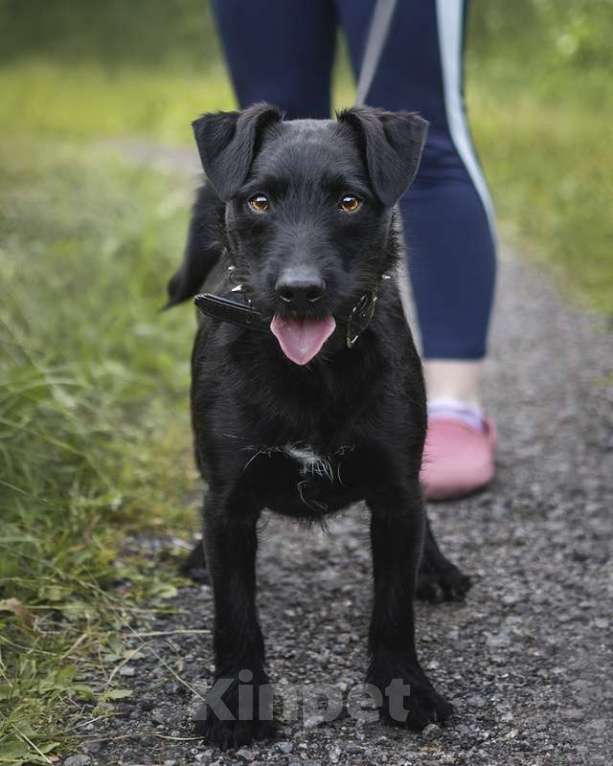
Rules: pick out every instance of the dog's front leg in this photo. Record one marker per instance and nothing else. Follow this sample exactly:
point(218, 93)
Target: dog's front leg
point(406, 696)
point(238, 706)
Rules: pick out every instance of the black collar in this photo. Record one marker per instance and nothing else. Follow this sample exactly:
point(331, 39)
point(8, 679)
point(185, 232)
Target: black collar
point(239, 310)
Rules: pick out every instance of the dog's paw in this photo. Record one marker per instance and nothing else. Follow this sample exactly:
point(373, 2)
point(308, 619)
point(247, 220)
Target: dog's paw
point(194, 565)
point(237, 710)
point(443, 584)
point(407, 697)
point(228, 735)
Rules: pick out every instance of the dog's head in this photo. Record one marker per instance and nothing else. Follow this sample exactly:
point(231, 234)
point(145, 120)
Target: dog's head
point(308, 209)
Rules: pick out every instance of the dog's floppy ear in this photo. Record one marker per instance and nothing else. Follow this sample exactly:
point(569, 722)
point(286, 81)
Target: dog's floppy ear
point(227, 143)
point(392, 143)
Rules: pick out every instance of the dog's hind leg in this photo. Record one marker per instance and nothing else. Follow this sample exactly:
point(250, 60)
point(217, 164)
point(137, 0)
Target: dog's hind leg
point(439, 579)
point(405, 695)
point(238, 706)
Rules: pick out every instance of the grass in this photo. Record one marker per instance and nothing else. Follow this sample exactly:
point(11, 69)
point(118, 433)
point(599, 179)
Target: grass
point(94, 434)
point(549, 164)
point(81, 103)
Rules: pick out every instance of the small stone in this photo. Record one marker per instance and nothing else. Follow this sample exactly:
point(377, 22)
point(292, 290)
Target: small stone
point(159, 716)
point(78, 760)
point(432, 731)
point(285, 747)
point(601, 623)
point(476, 700)
point(127, 670)
point(245, 753)
point(496, 640)
point(510, 599)
point(313, 721)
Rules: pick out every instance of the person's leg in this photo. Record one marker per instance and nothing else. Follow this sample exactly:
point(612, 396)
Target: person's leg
point(281, 52)
point(447, 213)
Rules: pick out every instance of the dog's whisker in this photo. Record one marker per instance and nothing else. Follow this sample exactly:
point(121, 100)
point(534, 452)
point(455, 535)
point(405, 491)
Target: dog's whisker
point(338, 474)
point(251, 459)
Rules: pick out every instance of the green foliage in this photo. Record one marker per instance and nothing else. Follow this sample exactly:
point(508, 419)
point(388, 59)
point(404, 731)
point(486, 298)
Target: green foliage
point(573, 33)
point(52, 100)
point(541, 130)
point(151, 33)
point(94, 433)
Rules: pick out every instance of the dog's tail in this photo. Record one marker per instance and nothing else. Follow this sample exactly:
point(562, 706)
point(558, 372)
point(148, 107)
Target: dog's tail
point(203, 248)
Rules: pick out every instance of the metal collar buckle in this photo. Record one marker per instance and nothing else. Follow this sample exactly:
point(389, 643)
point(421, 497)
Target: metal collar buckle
point(360, 317)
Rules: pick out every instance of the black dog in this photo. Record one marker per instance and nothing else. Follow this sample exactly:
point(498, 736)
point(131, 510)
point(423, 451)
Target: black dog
point(318, 401)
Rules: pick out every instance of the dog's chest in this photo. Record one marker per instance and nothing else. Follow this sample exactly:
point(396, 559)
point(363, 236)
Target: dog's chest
point(299, 479)
point(310, 463)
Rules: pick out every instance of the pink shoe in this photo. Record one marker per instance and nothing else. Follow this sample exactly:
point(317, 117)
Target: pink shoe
point(458, 458)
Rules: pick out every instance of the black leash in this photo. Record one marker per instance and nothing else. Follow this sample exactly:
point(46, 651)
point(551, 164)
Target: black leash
point(237, 308)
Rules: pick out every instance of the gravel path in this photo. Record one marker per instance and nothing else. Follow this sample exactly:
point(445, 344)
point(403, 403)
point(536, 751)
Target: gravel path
point(527, 660)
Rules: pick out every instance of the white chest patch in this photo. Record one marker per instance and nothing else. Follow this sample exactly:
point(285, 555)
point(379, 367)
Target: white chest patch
point(311, 464)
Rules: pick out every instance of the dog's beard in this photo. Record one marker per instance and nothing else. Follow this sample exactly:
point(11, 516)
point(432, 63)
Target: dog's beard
point(302, 339)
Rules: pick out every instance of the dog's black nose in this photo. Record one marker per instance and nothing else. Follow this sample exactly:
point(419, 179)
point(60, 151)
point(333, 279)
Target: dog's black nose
point(300, 289)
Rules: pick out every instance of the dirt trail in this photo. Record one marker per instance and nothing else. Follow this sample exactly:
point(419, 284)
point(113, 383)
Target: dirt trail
point(527, 659)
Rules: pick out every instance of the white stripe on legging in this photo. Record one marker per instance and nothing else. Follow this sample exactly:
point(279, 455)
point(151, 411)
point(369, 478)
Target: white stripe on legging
point(449, 19)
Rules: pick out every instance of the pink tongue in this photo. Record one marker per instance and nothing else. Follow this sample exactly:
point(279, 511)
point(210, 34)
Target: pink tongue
point(301, 339)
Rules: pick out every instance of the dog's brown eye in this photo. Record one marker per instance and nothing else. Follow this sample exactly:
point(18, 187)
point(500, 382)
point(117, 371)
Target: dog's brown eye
point(349, 203)
point(259, 203)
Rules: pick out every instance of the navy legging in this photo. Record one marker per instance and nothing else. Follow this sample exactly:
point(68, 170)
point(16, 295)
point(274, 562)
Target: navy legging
point(282, 51)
